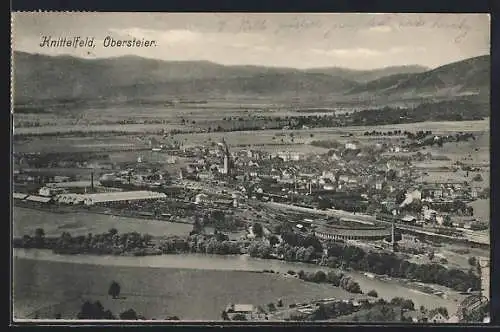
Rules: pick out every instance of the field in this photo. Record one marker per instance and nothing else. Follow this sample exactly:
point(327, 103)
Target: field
point(456, 258)
point(262, 139)
point(472, 152)
point(55, 287)
point(96, 128)
point(214, 110)
point(458, 176)
point(92, 143)
point(25, 221)
point(481, 209)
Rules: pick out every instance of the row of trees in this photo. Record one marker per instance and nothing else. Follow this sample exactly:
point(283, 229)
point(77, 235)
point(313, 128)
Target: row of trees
point(296, 253)
point(439, 141)
point(106, 243)
point(380, 311)
point(455, 110)
point(385, 133)
point(95, 311)
point(340, 254)
point(218, 244)
point(337, 279)
point(337, 255)
point(455, 207)
point(113, 243)
point(217, 219)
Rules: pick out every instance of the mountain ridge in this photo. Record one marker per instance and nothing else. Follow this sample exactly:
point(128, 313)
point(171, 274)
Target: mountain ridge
point(39, 76)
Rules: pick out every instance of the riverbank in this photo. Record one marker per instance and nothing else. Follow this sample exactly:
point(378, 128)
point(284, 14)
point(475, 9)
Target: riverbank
point(76, 266)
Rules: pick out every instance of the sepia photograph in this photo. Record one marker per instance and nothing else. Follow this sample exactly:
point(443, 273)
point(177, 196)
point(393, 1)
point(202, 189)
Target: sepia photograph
point(250, 167)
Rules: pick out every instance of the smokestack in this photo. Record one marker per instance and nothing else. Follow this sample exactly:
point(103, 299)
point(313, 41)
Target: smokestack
point(92, 180)
point(393, 237)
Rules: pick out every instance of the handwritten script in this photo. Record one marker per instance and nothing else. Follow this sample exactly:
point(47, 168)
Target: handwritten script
point(385, 22)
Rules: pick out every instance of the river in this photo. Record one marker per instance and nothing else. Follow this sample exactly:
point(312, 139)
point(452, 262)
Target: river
point(385, 288)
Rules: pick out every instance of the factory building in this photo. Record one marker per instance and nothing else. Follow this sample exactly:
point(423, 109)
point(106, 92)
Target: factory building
point(122, 196)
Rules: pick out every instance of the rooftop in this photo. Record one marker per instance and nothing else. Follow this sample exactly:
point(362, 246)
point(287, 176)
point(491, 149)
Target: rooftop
point(40, 199)
point(72, 184)
point(19, 196)
point(242, 307)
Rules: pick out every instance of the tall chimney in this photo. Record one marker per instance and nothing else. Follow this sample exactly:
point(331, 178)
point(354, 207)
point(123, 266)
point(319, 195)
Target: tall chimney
point(92, 180)
point(393, 237)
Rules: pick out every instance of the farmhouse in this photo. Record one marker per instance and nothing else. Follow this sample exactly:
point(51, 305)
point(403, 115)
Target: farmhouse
point(437, 317)
point(246, 310)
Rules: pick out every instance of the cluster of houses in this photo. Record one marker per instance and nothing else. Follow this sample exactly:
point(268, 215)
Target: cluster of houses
point(302, 311)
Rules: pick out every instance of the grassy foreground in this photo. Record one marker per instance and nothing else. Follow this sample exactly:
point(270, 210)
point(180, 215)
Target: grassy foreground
point(48, 288)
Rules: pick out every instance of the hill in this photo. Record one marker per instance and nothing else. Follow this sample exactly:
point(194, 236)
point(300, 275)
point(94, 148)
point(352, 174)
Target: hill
point(467, 77)
point(40, 77)
point(364, 76)
point(46, 77)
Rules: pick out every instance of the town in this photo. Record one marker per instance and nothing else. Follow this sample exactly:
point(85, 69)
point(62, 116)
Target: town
point(250, 167)
point(369, 195)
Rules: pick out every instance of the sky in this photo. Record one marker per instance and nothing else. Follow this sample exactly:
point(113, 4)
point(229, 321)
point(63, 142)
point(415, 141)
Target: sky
point(357, 41)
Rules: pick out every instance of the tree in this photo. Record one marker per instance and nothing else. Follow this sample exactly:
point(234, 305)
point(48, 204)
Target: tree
point(447, 221)
point(280, 303)
point(408, 305)
point(259, 249)
point(239, 317)
point(397, 301)
point(146, 239)
point(472, 261)
point(197, 226)
point(271, 307)
point(114, 289)
point(477, 178)
point(94, 310)
point(130, 314)
point(273, 240)
point(391, 175)
point(443, 311)
point(319, 276)
point(321, 312)
point(39, 238)
point(224, 315)
point(400, 197)
point(334, 278)
point(258, 229)
point(354, 288)
point(372, 293)
point(112, 232)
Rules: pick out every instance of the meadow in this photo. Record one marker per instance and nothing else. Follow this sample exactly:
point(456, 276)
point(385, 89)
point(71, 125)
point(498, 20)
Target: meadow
point(481, 209)
point(47, 288)
point(26, 221)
